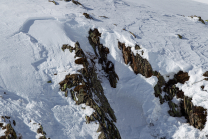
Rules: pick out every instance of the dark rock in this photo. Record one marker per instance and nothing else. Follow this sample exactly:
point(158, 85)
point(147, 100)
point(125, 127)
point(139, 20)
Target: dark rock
point(88, 88)
point(14, 123)
point(181, 77)
point(79, 87)
point(87, 15)
point(138, 64)
point(202, 87)
point(108, 66)
point(7, 117)
point(92, 118)
point(80, 60)
point(180, 94)
point(70, 81)
point(10, 133)
point(66, 93)
point(196, 115)
point(132, 34)
point(201, 20)
point(78, 51)
point(56, 3)
point(127, 55)
point(3, 137)
point(66, 46)
point(3, 118)
point(174, 110)
point(179, 36)
point(102, 136)
point(73, 95)
point(157, 88)
point(161, 80)
point(87, 119)
point(76, 2)
point(99, 128)
point(39, 130)
point(141, 65)
point(103, 16)
point(137, 47)
point(205, 74)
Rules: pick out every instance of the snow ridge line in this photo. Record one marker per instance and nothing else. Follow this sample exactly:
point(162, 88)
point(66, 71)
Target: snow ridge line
point(29, 22)
point(88, 88)
point(195, 115)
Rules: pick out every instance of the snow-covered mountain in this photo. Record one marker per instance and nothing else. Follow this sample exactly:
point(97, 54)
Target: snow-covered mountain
point(139, 46)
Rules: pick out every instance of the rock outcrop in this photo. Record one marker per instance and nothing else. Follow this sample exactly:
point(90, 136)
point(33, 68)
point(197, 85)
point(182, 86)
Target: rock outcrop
point(43, 133)
point(87, 87)
point(87, 16)
point(107, 66)
point(195, 115)
point(199, 18)
point(10, 132)
point(138, 63)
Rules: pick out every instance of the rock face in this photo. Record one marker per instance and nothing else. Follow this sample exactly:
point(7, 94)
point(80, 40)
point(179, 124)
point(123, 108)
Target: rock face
point(158, 86)
point(76, 2)
point(10, 132)
point(138, 64)
point(195, 115)
point(40, 131)
point(88, 89)
point(107, 66)
point(181, 77)
point(205, 74)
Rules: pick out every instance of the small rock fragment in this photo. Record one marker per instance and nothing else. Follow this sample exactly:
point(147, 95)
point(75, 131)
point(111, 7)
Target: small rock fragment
point(179, 36)
point(202, 87)
point(137, 47)
point(87, 15)
point(14, 123)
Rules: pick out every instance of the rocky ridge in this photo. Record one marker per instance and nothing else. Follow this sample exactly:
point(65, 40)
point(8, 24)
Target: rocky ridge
point(86, 87)
point(195, 115)
point(9, 130)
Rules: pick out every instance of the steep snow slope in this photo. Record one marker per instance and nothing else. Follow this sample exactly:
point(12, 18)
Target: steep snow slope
point(32, 33)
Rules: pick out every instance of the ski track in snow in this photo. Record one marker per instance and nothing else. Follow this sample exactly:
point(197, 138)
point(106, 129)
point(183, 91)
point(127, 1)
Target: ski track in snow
point(31, 53)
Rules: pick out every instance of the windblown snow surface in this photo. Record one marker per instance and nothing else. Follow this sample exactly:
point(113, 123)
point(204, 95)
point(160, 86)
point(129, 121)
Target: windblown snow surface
point(33, 31)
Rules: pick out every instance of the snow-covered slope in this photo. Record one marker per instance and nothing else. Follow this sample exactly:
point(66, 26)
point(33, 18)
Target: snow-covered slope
point(32, 33)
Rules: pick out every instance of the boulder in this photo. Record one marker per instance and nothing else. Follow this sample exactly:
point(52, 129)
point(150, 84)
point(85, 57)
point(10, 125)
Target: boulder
point(182, 77)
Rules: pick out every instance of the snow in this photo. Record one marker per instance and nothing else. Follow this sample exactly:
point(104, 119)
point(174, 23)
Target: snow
point(32, 33)
point(202, 1)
